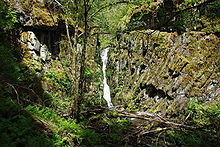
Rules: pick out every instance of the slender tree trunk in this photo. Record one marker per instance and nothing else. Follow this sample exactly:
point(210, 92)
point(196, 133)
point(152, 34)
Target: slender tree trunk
point(73, 69)
point(74, 64)
point(81, 86)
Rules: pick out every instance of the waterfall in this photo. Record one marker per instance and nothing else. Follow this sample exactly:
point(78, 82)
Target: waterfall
point(106, 89)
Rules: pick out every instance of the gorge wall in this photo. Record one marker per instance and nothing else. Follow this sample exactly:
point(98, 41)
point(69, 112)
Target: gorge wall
point(145, 67)
point(164, 85)
point(150, 68)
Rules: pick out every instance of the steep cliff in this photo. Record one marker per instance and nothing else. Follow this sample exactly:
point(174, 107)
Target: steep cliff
point(151, 66)
point(166, 53)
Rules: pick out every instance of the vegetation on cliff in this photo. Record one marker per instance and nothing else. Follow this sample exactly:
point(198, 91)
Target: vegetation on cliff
point(163, 72)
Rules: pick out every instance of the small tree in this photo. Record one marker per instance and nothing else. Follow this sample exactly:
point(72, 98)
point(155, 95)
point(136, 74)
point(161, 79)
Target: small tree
point(83, 16)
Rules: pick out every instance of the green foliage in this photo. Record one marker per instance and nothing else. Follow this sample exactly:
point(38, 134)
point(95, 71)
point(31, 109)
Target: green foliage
point(111, 130)
point(189, 138)
point(9, 68)
point(7, 17)
point(205, 117)
point(92, 75)
point(202, 115)
point(58, 125)
point(62, 80)
point(110, 17)
point(22, 124)
point(177, 16)
point(197, 114)
point(117, 127)
point(19, 130)
point(204, 18)
point(17, 127)
point(65, 131)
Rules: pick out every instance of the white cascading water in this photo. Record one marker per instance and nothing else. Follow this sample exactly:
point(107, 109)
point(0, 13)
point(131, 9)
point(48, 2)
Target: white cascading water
point(106, 89)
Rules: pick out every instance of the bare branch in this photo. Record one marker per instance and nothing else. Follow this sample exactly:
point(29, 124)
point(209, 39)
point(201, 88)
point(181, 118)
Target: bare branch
point(15, 90)
point(155, 131)
point(58, 3)
point(155, 118)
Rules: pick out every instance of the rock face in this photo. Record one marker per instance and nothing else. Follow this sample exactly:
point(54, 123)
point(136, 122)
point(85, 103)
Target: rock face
point(41, 29)
point(36, 12)
point(150, 66)
point(44, 49)
point(42, 41)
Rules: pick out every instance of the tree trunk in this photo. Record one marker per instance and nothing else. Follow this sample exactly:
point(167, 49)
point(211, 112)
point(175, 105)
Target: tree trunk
point(82, 64)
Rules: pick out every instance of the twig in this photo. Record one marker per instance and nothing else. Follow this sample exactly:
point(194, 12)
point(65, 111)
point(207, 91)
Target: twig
point(187, 116)
point(158, 136)
point(155, 131)
point(16, 92)
point(58, 3)
point(31, 90)
point(23, 87)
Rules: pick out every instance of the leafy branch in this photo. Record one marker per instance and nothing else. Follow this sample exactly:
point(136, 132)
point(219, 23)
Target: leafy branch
point(110, 5)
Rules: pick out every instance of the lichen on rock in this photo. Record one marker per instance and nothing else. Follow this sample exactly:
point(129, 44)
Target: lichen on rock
point(181, 66)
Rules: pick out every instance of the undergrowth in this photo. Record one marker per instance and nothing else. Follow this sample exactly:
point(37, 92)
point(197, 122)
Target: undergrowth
point(204, 116)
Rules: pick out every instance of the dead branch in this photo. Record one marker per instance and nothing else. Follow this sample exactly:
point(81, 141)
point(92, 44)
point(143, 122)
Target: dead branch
point(23, 87)
point(58, 3)
point(155, 130)
point(154, 117)
point(30, 90)
point(15, 90)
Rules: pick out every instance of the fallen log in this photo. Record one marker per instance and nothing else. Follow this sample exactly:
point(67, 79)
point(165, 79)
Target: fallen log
point(154, 117)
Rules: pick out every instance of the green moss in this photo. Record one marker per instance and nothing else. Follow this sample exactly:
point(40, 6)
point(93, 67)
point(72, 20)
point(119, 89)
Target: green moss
point(148, 103)
point(41, 15)
point(158, 106)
